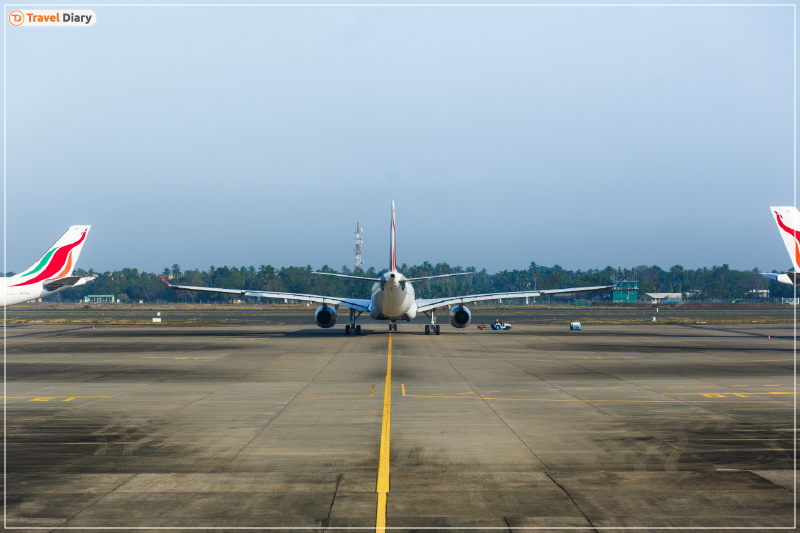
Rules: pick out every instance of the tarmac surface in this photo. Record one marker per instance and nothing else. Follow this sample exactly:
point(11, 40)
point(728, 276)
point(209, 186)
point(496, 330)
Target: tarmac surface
point(291, 426)
point(241, 314)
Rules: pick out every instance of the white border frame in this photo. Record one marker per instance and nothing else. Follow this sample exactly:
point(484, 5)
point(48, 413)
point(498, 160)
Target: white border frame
point(321, 528)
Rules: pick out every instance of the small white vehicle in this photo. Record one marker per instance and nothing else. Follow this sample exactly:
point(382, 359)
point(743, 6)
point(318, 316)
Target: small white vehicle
point(575, 324)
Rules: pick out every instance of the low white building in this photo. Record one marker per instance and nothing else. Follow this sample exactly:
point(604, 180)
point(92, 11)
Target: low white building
point(99, 299)
point(661, 297)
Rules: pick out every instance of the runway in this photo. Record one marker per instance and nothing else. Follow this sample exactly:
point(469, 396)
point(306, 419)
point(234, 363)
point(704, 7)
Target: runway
point(247, 315)
point(290, 426)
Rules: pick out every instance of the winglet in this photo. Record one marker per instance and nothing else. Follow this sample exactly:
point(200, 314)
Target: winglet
point(623, 278)
point(165, 281)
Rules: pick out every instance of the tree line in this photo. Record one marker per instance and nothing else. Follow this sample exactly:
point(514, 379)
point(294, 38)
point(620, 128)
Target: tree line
point(129, 284)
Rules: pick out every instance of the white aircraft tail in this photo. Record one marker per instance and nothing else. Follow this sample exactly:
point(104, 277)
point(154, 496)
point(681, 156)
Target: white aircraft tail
point(60, 259)
point(393, 244)
point(788, 220)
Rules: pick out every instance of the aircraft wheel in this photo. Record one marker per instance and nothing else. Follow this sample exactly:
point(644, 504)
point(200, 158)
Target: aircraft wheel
point(347, 329)
point(358, 329)
point(427, 329)
point(437, 329)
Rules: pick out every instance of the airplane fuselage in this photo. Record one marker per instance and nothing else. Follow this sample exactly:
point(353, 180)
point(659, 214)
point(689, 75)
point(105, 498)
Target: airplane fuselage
point(392, 298)
point(17, 295)
point(24, 293)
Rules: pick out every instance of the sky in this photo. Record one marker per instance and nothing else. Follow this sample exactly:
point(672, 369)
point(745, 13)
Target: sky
point(238, 136)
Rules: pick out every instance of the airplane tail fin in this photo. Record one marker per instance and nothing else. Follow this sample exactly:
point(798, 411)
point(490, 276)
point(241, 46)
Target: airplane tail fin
point(788, 220)
point(60, 259)
point(393, 263)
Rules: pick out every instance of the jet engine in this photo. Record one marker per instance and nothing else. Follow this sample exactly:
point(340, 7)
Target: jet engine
point(325, 316)
point(460, 316)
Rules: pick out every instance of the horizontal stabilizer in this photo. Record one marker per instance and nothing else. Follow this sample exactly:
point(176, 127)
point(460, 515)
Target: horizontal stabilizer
point(441, 276)
point(373, 280)
point(53, 285)
point(789, 278)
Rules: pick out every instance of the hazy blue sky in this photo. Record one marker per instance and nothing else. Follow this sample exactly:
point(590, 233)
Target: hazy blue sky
point(583, 136)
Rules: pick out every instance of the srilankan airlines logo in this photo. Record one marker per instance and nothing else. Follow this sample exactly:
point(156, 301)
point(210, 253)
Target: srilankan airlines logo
point(794, 235)
point(57, 263)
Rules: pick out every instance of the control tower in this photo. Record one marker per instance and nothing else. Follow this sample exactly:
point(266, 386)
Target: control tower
point(359, 241)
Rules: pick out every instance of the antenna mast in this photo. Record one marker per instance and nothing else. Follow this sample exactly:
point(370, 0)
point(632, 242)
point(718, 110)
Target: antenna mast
point(359, 262)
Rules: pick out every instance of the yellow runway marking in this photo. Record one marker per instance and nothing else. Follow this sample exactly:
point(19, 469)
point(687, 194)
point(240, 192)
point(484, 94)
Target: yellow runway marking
point(48, 398)
point(596, 357)
point(383, 466)
point(180, 357)
point(721, 398)
point(726, 394)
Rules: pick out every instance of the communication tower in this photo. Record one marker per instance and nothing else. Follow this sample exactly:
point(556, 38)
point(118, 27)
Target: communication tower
point(359, 262)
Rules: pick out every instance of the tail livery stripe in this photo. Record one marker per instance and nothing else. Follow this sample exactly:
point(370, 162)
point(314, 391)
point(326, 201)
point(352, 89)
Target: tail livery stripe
point(67, 267)
point(786, 228)
point(791, 237)
point(41, 264)
point(59, 260)
point(791, 232)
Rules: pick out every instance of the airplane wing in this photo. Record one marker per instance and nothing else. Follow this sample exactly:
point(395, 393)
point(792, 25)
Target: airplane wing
point(66, 282)
point(433, 303)
point(353, 303)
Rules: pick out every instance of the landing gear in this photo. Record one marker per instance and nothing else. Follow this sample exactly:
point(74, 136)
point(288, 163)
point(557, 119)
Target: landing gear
point(352, 328)
point(433, 327)
point(392, 325)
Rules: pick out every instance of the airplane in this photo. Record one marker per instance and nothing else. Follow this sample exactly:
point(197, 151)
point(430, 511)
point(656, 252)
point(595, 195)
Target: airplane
point(392, 298)
point(787, 218)
point(52, 272)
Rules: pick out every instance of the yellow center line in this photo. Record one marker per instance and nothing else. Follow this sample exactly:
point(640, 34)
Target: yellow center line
point(383, 466)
